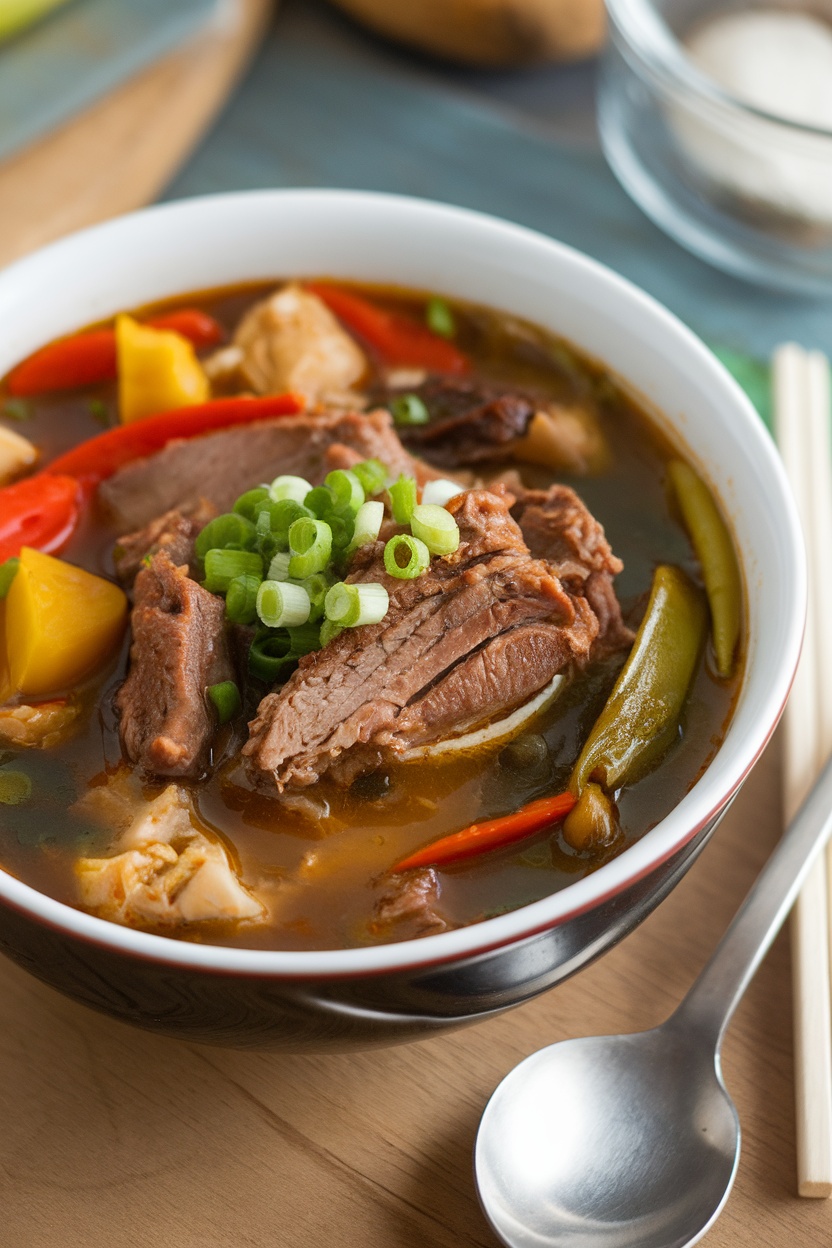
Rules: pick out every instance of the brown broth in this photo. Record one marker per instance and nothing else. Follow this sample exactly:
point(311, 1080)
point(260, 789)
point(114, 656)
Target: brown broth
point(327, 868)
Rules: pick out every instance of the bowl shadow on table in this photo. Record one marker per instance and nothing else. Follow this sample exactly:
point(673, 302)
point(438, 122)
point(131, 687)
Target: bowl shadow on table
point(101, 1120)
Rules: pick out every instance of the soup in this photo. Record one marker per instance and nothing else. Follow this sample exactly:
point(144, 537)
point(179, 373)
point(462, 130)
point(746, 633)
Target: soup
point(400, 615)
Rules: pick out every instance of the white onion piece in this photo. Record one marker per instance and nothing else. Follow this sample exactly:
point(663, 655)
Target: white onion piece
point(441, 491)
point(495, 731)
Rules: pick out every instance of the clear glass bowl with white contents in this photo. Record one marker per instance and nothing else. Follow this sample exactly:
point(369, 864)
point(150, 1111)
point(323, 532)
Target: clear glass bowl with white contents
point(744, 189)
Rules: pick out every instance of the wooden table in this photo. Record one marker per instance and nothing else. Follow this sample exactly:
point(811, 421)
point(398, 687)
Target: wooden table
point(111, 1137)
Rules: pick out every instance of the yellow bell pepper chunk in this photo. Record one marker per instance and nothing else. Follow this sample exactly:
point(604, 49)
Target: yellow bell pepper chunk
point(157, 371)
point(61, 623)
point(6, 687)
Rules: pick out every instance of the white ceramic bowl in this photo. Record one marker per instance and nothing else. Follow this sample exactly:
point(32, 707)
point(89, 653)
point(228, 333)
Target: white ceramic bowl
point(227, 239)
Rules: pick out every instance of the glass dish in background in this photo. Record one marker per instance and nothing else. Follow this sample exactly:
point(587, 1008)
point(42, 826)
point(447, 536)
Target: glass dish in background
point(745, 190)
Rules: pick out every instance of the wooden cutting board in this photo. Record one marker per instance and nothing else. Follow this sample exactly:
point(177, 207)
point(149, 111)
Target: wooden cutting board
point(119, 153)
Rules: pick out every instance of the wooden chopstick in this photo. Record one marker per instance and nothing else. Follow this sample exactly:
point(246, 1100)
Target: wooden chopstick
point(801, 404)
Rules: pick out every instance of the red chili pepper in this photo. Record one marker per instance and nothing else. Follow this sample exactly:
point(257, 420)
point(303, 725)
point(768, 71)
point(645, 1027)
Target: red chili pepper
point(97, 458)
point(88, 358)
point(492, 834)
point(40, 511)
point(397, 339)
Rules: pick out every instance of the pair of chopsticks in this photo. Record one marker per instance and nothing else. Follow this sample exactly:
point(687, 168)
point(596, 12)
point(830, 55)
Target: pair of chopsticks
point(802, 427)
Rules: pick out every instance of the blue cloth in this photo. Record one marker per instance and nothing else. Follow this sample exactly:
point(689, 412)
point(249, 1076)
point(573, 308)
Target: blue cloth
point(325, 105)
point(81, 52)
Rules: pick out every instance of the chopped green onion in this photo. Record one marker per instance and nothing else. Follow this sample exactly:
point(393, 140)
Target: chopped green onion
point(406, 557)
point(367, 524)
point(347, 490)
point(329, 631)
point(408, 409)
point(15, 787)
point(310, 545)
point(294, 488)
point(274, 519)
point(226, 699)
point(343, 528)
point(17, 409)
point(247, 504)
point(441, 491)
point(99, 411)
point(221, 567)
point(228, 532)
point(304, 638)
point(280, 604)
point(317, 585)
point(403, 499)
point(440, 318)
point(435, 527)
point(8, 570)
point(279, 567)
point(241, 599)
point(269, 653)
point(372, 474)
point(320, 502)
point(354, 605)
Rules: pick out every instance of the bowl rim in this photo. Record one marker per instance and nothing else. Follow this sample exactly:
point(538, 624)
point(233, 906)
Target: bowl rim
point(658, 845)
point(649, 35)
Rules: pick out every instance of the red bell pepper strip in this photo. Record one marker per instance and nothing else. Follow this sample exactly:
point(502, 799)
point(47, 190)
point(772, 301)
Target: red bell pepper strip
point(492, 834)
point(40, 511)
point(88, 358)
point(92, 461)
point(397, 339)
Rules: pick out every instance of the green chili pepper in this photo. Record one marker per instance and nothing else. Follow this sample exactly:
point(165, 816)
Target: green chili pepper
point(641, 718)
point(715, 552)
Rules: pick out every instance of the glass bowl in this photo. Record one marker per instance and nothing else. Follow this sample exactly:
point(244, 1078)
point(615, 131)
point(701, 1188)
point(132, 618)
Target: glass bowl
point(743, 189)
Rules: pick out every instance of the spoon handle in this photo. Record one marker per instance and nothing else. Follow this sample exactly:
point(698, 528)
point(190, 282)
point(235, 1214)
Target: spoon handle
point(711, 1002)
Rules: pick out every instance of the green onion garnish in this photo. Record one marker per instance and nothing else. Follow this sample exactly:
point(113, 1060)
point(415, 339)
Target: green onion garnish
point(304, 638)
point(405, 557)
point(247, 504)
point(440, 491)
point(221, 567)
point(408, 409)
point(269, 653)
point(99, 411)
point(354, 605)
point(372, 474)
point(367, 524)
point(329, 631)
point(347, 490)
point(15, 787)
point(8, 571)
point(435, 527)
point(17, 409)
point(343, 528)
point(320, 502)
point(280, 604)
point(403, 499)
point(226, 699)
point(440, 318)
point(228, 532)
point(317, 586)
point(279, 567)
point(294, 488)
point(274, 519)
point(241, 599)
point(310, 545)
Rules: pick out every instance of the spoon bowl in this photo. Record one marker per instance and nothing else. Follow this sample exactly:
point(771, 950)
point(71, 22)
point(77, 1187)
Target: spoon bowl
point(624, 1141)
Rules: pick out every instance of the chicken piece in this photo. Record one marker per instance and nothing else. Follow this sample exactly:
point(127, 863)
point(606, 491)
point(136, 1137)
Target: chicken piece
point(167, 871)
point(39, 726)
point(291, 341)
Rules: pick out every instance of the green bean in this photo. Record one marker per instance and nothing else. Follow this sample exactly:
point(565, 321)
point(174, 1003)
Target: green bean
point(715, 552)
point(641, 717)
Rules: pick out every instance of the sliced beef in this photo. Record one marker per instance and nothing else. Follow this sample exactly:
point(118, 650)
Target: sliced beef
point(175, 532)
point(409, 907)
point(218, 467)
point(354, 691)
point(179, 648)
point(469, 422)
point(558, 527)
point(504, 674)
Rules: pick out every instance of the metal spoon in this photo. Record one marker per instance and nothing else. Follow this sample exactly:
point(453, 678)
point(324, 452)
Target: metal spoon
point(632, 1141)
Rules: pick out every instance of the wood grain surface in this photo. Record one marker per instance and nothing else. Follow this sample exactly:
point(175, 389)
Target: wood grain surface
point(118, 154)
point(114, 1137)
